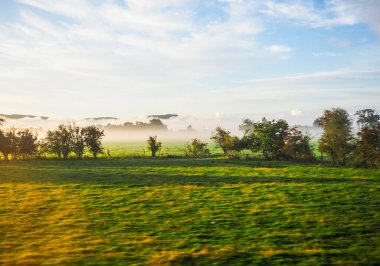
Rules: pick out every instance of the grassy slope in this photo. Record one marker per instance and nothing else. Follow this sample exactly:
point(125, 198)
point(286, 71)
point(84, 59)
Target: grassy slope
point(185, 212)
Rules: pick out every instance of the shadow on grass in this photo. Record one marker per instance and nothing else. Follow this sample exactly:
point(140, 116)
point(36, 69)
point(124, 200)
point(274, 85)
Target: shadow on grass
point(150, 172)
point(152, 180)
point(168, 162)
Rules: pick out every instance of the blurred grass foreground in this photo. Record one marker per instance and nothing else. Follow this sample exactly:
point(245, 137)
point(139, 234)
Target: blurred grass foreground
point(187, 212)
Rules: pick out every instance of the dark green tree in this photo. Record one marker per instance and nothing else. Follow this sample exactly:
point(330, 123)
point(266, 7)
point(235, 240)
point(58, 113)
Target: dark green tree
point(367, 118)
point(5, 145)
point(297, 146)
point(246, 126)
point(153, 145)
point(64, 136)
point(196, 148)
point(234, 146)
point(27, 143)
point(59, 141)
point(367, 152)
point(220, 137)
point(13, 143)
point(336, 139)
point(93, 139)
point(78, 143)
point(268, 137)
point(53, 143)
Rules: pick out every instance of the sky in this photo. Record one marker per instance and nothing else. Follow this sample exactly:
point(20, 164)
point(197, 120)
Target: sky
point(206, 60)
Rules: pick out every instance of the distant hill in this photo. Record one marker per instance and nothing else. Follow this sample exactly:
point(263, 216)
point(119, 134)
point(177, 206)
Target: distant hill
point(167, 116)
point(19, 116)
point(154, 124)
point(102, 118)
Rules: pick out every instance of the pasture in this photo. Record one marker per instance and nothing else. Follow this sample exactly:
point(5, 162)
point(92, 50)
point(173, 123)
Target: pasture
point(187, 212)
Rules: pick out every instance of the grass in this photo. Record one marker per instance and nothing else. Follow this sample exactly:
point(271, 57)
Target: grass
point(187, 212)
point(127, 149)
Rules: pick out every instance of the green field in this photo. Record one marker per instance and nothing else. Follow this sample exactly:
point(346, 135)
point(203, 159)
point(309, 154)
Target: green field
point(122, 149)
point(187, 212)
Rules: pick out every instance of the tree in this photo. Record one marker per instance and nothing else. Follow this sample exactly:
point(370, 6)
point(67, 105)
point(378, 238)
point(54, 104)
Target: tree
point(367, 152)
point(2, 120)
point(154, 145)
point(367, 118)
point(220, 136)
point(53, 143)
point(5, 145)
point(246, 126)
point(336, 139)
point(297, 146)
point(59, 141)
point(13, 143)
point(78, 143)
point(268, 137)
point(196, 148)
point(27, 143)
point(233, 145)
point(93, 139)
point(64, 136)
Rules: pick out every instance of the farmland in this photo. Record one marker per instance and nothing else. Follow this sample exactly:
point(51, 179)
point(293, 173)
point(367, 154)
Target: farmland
point(187, 212)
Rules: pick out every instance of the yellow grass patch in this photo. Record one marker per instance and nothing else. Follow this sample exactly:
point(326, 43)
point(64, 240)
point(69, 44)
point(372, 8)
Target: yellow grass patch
point(191, 187)
point(42, 225)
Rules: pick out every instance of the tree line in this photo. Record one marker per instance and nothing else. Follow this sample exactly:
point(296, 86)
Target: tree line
point(65, 141)
point(274, 139)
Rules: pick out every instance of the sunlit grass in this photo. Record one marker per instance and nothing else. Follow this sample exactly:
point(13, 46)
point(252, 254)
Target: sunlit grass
point(186, 212)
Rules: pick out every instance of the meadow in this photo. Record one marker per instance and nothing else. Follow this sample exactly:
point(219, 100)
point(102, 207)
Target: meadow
point(187, 212)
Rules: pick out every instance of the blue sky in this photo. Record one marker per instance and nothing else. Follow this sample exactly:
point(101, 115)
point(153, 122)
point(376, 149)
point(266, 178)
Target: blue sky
point(210, 59)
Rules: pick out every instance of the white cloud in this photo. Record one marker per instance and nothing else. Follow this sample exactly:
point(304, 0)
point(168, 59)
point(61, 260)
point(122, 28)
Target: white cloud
point(278, 49)
point(330, 54)
point(305, 13)
point(363, 11)
point(295, 112)
point(335, 12)
point(129, 55)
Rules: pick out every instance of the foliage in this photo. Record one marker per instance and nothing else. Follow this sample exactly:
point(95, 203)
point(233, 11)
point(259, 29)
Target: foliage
point(297, 146)
point(154, 124)
point(70, 138)
point(13, 143)
point(336, 139)
point(93, 139)
point(78, 140)
point(53, 143)
point(27, 143)
point(367, 152)
point(153, 145)
point(246, 126)
point(219, 136)
point(367, 118)
point(233, 145)
point(64, 135)
point(196, 148)
point(18, 144)
point(5, 145)
point(268, 137)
